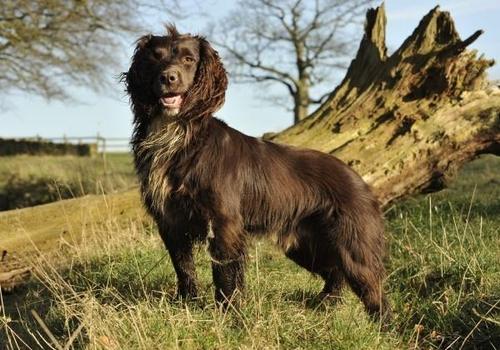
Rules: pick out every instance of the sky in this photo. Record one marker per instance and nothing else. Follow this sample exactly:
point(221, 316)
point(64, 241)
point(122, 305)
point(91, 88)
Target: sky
point(108, 114)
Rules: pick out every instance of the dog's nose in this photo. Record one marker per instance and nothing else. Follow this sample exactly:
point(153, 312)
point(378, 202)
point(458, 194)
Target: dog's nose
point(169, 77)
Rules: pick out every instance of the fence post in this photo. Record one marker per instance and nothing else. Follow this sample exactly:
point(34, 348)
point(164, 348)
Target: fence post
point(103, 152)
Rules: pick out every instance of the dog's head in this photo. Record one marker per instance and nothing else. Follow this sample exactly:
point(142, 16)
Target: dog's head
point(176, 75)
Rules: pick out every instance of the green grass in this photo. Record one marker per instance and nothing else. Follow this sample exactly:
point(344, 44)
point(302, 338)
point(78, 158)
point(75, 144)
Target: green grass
point(31, 180)
point(114, 290)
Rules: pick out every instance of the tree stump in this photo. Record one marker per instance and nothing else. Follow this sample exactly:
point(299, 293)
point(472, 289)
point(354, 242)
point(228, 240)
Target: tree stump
point(406, 122)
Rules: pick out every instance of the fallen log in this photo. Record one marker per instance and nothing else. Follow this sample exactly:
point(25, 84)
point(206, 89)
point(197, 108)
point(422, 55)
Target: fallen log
point(13, 272)
point(406, 122)
point(6, 277)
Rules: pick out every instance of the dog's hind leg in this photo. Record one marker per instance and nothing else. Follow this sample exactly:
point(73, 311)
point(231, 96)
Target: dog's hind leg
point(361, 256)
point(313, 260)
point(315, 250)
point(334, 281)
point(367, 284)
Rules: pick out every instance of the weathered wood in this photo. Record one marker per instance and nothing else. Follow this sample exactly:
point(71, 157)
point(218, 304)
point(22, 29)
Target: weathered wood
point(6, 277)
point(13, 272)
point(406, 122)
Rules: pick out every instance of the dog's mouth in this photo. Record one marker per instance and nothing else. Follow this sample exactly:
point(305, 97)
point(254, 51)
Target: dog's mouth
point(171, 101)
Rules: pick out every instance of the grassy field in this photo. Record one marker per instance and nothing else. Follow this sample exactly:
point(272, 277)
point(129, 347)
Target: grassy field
point(110, 286)
point(31, 180)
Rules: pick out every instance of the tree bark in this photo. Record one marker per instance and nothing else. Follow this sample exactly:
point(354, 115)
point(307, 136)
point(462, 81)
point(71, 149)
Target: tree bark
point(301, 101)
point(406, 122)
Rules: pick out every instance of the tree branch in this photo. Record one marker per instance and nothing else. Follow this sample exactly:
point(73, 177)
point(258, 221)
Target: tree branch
point(261, 78)
point(321, 99)
point(257, 65)
point(64, 42)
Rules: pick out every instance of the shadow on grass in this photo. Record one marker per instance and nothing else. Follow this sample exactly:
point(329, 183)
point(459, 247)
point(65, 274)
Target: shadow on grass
point(118, 290)
point(311, 300)
point(487, 209)
point(471, 325)
point(22, 329)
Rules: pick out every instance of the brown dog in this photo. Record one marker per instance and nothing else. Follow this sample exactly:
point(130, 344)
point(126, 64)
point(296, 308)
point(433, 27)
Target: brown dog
point(202, 180)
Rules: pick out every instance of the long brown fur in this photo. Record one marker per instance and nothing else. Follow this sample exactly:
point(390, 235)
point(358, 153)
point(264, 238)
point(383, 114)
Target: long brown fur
point(202, 180)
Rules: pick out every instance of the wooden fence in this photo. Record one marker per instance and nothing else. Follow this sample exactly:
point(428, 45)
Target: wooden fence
point(98, 143)
point(104, 144)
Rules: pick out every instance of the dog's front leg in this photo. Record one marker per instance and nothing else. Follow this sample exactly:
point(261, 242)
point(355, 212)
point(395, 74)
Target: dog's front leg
point(180, 248)
point(227, 249)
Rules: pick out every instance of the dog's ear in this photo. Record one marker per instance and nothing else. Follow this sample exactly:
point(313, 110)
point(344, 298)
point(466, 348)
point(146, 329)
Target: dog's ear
point(211, 78)
point(134, 78)
point(130, 77)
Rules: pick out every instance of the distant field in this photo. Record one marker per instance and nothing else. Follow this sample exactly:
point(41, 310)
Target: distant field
point(31, 180)
point(111, 288)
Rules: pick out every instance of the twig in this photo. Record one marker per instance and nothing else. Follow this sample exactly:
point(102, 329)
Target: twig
point(155, 266)
point(46, 330)
point(73, 336)
point(478, 322)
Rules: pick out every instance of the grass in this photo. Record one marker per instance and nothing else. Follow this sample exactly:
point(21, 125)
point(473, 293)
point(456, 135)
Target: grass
point(31, 180)
point(112, 288)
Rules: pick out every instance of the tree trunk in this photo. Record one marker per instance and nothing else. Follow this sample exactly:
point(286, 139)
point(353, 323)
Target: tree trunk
point(408, 121)
point(301, 100)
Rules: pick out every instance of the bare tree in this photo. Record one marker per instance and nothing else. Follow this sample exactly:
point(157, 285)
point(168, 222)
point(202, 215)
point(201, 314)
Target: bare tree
point(294, 43)
point(47, 44)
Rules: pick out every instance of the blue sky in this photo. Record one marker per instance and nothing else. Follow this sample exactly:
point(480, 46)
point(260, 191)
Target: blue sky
point(109, 113)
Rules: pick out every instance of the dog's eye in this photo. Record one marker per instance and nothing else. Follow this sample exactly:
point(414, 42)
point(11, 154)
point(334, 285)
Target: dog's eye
point(188, 59)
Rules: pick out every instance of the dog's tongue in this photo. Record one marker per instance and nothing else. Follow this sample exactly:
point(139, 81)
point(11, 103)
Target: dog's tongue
point(171, 101)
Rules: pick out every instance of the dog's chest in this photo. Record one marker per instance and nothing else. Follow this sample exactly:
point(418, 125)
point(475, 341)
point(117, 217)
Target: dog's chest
point(154, 157)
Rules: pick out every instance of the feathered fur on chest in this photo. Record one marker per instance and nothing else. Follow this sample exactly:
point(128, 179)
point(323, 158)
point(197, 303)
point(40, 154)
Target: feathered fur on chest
point(154, 156)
